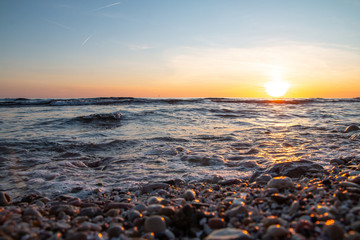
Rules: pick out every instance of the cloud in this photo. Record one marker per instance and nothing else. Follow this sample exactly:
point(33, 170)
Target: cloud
point(106, 6)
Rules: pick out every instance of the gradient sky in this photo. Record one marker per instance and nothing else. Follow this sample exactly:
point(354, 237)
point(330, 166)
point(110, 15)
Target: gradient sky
point(188, 48)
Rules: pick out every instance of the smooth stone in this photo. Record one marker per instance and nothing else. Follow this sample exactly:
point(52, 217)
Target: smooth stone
point(294, 207)
point(154, 200)
point(134, 214)
point(88, 226)
point(119, 205)
point(155, 224)
point(76, 236)
point(273, 220)
point(351, 128)
point(216, 223)
point(140, 207)
point(229, 234)
point(239, 210)
point(32, 212)
point(295, 169)
point(148, 188)
point(281, 183)
point(189, 195)
point(90, 212)
point(68, 209)
point(356, 226)
point(115, 230)
point(112, 213)
point(333, 230)
point(154, 208)
point(5, 199)
point(276, 232)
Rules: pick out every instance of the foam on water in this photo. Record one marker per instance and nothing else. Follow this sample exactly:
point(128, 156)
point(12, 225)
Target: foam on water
point(75, 146)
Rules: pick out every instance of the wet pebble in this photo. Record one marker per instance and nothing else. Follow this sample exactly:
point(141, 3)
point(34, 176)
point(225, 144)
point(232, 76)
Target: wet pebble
point(5, 199)
point(189, 195)
point(277, 232)
point(229, 234)
point(155, 224)
point(216, 223)
point(115, 230)
point(281, 183)
point(333, 231)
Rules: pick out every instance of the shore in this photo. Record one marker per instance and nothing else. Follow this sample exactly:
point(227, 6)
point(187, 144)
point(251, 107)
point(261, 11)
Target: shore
point(294, 200)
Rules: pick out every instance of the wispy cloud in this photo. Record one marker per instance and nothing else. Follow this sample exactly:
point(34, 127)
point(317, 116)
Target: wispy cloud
point(59, 24)
point(86, 40)
point(106, 6)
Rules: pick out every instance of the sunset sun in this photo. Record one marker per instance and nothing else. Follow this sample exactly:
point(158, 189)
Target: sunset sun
point(277, 88)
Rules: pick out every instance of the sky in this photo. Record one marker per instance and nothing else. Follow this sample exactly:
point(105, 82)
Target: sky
point(187, 48)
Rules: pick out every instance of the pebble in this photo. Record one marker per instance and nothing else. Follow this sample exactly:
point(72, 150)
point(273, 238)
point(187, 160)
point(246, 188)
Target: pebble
point(277, 232)
point(155, 224)
point(239, 210)
point(216, 223)
point(189, 195)
point(351, 128)
point(154, 200)
point(115, 230)
point(5, 199)
point(333, 230)
point(281, 183)
point(89, 211)
point(229, 234)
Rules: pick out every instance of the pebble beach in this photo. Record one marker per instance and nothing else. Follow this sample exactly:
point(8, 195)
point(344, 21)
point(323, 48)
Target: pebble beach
point(294, 200)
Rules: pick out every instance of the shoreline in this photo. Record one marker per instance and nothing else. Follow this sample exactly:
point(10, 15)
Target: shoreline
point(307, 203)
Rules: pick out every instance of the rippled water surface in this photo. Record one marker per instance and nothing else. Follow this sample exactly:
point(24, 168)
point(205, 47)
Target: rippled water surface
point(56, 146)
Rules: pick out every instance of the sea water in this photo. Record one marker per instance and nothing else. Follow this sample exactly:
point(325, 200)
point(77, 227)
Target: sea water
point(76, 146)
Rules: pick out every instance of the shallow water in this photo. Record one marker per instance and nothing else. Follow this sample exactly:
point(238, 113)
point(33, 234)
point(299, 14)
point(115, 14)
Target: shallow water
point(56, 146)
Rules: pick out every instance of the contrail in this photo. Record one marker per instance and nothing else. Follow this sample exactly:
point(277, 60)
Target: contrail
point(106, 6)
point(85, 41)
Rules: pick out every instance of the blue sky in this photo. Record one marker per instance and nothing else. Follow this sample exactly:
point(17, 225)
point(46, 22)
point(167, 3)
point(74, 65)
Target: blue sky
point(131, 43)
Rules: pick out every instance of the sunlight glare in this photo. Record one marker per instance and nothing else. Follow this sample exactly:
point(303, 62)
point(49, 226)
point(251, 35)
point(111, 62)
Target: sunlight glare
point(277, 88)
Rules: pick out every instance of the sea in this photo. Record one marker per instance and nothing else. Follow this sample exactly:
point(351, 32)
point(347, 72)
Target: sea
point(86, 145)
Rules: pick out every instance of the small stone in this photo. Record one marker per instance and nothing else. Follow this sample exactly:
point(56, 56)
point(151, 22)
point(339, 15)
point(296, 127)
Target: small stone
point(356, 226)
point(239, 210)
point(115, 231)
point(216, 223)
point(112, 213)
point(5, 199)
point(32, 212)
point(277, 232)
point(88, 226)
point(294, 207)
point(119, 205)
point(133, 214)
point(351, 128)
point(333, 230)
point(76, 236)
point(154, 200)
point(281, 183)
point(148, 188)
point(68, 209)
point(189, 195)
point(279, 198)
point(90, 212)
point(154, 208)
point(155, 224)
point(229, 234)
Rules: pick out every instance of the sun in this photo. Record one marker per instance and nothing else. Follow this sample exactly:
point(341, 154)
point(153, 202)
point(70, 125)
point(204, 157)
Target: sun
point(277, 88)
